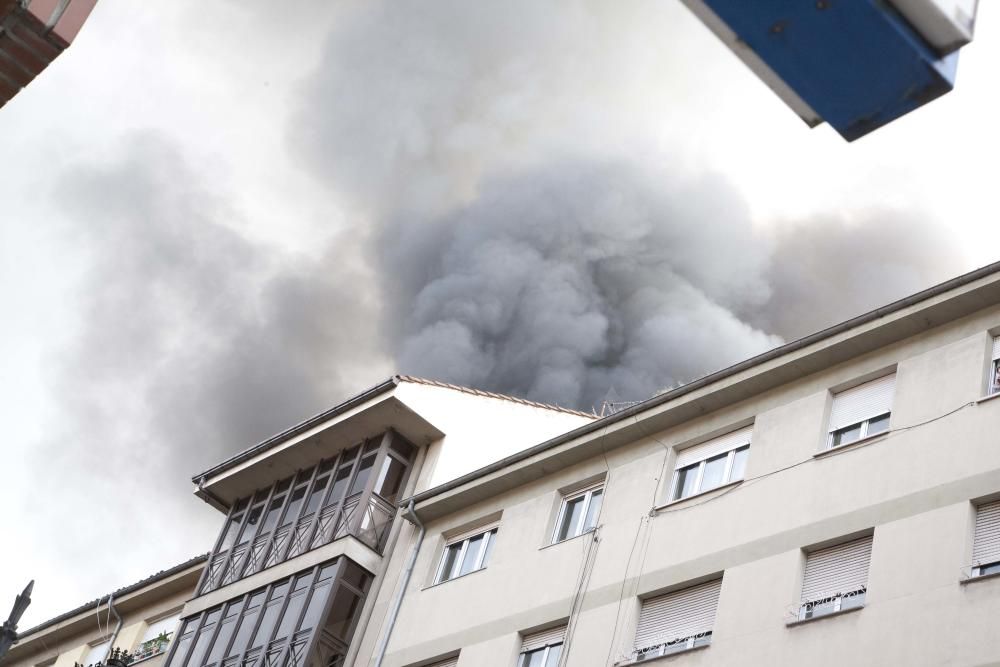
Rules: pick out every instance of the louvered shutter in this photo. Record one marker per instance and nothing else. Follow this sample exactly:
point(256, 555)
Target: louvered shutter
point(996, 347)
point(838, 569)
point(447, 662)
point(707, 450)
point(164, 625)
point(677, 615)
point(542, 639)
point(865, 401)
point(986, 544)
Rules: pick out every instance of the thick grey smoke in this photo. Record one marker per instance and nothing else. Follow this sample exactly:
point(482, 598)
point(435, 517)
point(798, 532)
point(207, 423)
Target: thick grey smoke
point(194, 343)
point(564, 281)
point(529, 242)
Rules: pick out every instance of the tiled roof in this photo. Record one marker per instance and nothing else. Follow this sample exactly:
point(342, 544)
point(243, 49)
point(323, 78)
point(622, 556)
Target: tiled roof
point(124, 590)
point(490, 394)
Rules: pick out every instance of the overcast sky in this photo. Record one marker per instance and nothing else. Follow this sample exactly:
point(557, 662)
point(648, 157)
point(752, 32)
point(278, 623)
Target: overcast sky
point(221, 218)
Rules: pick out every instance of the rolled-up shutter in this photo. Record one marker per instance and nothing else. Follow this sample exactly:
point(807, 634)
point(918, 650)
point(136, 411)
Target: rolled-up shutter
point(538, 640)
point(996, 347)
point(714, 446)
point(838, 569)
point(447, 662)
point(865, 401)
point(986, 544)
point(678, 615)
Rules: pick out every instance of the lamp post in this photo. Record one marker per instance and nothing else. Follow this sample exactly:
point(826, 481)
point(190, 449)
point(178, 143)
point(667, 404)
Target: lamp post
point(8, 633)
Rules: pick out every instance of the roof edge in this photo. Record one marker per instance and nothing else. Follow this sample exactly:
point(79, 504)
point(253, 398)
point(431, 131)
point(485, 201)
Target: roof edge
point(125, 590)
point(301, 427)
point(704, 381)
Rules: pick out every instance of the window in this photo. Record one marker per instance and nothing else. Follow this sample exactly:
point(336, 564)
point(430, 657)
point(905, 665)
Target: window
point(542, 649)
point(466, 554)
point(332, 499)
point(578, 513)
point(711, 464)
point(277, 623)
point(676, 621)
point(861, 411)
point(836, 578)
point(993, 385)
point(157, 637)
point(986, 543)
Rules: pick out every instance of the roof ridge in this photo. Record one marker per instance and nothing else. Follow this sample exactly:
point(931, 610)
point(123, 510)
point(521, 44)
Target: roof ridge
point(491, 394)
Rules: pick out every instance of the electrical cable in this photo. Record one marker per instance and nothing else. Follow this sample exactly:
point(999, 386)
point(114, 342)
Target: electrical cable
point(654, 511)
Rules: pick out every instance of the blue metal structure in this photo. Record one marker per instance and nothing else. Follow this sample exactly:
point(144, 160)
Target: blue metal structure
point(856, 64)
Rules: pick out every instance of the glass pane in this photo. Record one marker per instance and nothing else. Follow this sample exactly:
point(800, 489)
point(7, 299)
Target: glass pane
point(534, 659)
point(878, 424)
point(231, 531)
point(472, 554)
point(345, 606)
point(489, 547)
point(327, 571)
point(295, 503)
point(267, 623)
point(315, 609)
point(846, 435)
point(291, 616)
point(243, 633)
point(684, 482)
point(594, 511)
point(355, 576)
point(554, 653)
point(339, 484)
point(364, 471)
point(995, 378)
point(715, 468)
point(389, 479)
point(739, 463)
point(402, 447)
point(319, 489)
point(302, 582)
point(570, 518)
point(225, 632)
point(450, 559)
point(271, 518)
point(253, 516)
point(201, 644)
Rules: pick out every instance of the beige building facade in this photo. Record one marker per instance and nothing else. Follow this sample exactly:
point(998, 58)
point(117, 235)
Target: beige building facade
point(833, 501)
point(141, 618)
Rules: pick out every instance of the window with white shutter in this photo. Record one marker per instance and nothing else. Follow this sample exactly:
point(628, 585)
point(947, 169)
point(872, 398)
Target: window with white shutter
point(836, 578)
point(861, 411)
point(676, 621)
point(994, 379)
point(542, 649)
point(986, 543)
point(708, 465)
point(447, 662)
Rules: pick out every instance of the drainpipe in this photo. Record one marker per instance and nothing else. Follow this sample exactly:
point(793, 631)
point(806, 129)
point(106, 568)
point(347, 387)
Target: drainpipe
point(412, 517)
point(118, 626)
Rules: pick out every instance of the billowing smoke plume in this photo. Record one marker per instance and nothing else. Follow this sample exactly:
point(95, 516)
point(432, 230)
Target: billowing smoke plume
point(529, 242)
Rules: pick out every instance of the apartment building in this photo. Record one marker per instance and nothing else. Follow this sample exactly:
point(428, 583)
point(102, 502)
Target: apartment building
point(140, 618)
point(311, 517)
point(834, 501)
point(33, 33)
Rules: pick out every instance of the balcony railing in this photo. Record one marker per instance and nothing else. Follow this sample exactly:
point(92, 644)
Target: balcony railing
point(152, 647)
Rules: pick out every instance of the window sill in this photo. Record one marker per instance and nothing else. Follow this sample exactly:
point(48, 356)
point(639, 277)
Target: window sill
point(700, 494)
point(663, 658)
point(867, 440)
point(448, 581)
point(569, 539)
point(804, 621)
point(981, 577)
point(988, 397)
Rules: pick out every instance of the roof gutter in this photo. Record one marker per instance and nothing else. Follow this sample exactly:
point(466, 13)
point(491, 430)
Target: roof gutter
point(705, 381)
